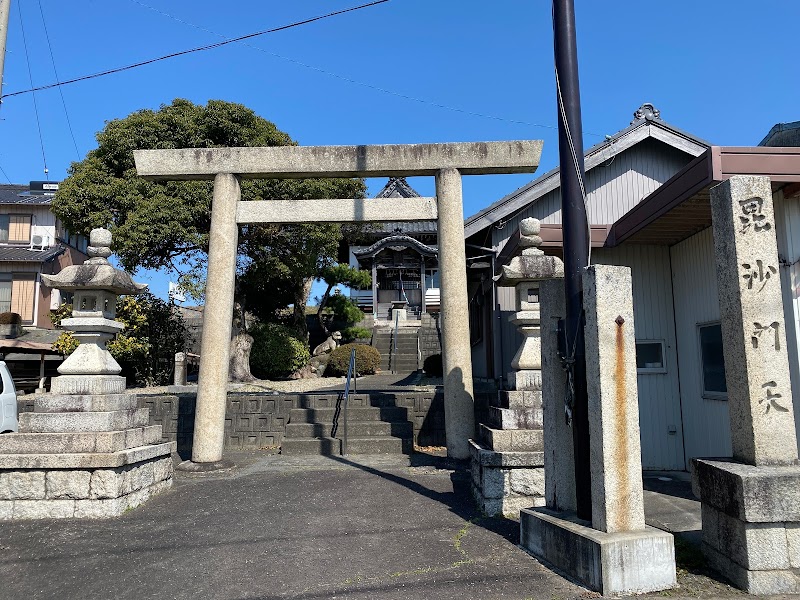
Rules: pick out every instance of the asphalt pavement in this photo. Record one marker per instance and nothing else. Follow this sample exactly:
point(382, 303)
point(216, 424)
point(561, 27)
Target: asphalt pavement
point(280, 527)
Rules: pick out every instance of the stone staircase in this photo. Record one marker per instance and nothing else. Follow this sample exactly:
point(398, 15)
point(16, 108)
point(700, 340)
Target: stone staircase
point(375, 426)
point(508, 460)
point(406, 359)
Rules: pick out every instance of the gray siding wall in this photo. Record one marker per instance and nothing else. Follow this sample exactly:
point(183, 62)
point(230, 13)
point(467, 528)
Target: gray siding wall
point(613, 188)
point(659, 393)
point(706, 421)
point(787, 220)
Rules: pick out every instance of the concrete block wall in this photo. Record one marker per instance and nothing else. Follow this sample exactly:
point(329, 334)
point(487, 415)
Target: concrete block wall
point(429, 336)
point(256, 421)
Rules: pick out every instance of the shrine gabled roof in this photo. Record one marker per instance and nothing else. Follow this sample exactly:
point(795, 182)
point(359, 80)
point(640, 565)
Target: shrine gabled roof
point(396, 241)
point(397, 187)
point(643, 126)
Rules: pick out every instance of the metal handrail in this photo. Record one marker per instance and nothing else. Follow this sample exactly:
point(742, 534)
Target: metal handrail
point(344, 398)
point(393, 355)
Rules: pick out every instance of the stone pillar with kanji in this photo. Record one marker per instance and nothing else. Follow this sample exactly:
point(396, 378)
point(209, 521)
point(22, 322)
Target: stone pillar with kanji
point(751, 503)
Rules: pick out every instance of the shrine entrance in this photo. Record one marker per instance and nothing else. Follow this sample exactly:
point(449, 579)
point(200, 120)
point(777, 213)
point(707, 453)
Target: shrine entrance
point(226, 166)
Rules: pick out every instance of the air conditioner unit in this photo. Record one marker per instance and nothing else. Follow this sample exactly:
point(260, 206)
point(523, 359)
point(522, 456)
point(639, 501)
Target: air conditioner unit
point(37, 242)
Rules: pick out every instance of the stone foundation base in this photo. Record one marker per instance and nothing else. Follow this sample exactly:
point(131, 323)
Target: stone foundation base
point(88, 384)
point(81, 493)
point(505, 482)
point(609, 563)
point(751, 523)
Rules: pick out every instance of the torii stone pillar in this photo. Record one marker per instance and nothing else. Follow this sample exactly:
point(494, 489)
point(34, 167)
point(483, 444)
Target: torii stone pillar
point(448, 162)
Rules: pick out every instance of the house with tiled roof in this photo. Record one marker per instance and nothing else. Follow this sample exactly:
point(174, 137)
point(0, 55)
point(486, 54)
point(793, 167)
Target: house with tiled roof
point(33, 242)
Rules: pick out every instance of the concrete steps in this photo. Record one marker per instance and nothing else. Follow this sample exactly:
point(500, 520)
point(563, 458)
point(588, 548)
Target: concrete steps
point(355, 429)
point(381, 429)
point(80, 442)
point(333, 446)
point(405, 359)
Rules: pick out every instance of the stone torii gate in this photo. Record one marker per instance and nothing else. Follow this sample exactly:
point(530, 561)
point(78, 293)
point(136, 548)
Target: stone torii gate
point(226, 166)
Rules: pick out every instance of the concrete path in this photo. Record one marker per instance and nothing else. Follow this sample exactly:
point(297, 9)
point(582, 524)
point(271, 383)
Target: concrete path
point(299, 527)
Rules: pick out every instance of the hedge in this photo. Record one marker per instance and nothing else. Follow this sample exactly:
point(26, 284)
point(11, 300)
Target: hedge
point(368, 359)
point(276, 352)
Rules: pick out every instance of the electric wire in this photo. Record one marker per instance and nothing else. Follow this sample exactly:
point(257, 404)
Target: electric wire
point(192, 50)
point(3, 171)
point(350, 79)
point(60, 90)
point(30, 77)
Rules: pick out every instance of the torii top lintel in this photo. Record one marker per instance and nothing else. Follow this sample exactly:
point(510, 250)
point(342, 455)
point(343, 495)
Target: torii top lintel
point(391, 160)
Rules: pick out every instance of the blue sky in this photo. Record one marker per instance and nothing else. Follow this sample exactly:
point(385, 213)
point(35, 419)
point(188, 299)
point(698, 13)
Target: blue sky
point(401, 72)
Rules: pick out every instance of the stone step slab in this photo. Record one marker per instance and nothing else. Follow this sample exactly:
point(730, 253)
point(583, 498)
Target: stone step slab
point(116, 420)
point(80, 442)
point(515, 418)
point(89, 460)
point(325, 415)
point(356, 429)
point(58, 403)
point(355, 401)
point(512, 440)
point(332, 446)
point(517, 399)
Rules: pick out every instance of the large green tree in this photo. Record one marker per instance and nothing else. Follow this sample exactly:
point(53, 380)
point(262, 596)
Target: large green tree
point(166, 224)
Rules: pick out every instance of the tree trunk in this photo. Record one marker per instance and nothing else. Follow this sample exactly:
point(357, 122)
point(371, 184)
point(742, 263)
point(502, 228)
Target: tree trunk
point(302, 293)
point(241, 344)
point(239, 370)
point(322, 304)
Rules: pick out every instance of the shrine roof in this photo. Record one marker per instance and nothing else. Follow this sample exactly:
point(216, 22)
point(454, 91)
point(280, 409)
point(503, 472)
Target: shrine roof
point(646, 125)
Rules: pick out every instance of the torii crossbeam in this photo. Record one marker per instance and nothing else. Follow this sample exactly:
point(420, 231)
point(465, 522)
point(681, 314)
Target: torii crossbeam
point(226, 166)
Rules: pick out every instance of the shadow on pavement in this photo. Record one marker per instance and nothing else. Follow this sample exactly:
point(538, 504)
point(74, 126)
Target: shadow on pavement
point(459, 501)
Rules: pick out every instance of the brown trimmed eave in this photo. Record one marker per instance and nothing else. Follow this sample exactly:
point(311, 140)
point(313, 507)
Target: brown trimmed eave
point(681, 206)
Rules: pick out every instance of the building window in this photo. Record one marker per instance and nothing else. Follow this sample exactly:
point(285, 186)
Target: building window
point(15, 228)
point(650, 356)
point(431, 279)
point(713, 361)
point(5, 292)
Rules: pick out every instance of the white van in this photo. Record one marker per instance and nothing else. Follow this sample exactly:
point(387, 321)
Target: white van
point(8, 401)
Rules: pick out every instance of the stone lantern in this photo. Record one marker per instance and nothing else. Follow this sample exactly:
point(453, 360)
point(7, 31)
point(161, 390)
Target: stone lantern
point(507, 457)
point(524, 273)
point(88, 450)
point(91, 369)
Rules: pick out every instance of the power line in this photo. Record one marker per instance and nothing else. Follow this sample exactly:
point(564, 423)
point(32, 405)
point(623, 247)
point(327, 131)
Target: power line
point(63, 102)
point(193, 50)
point(3, 171)
point(350, 79)
point(30, 77)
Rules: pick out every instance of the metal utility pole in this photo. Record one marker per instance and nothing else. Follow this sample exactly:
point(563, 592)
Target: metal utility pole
point(575, 235)
point(5, 8)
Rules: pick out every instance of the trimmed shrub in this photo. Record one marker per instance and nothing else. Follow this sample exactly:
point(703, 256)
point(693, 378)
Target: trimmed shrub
point(10, 318)
point(277, 351)
point(433, 365)
point(350, 334)
point(368, 359)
